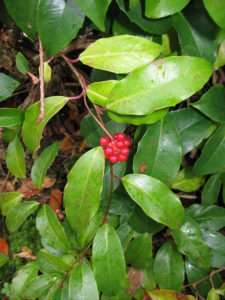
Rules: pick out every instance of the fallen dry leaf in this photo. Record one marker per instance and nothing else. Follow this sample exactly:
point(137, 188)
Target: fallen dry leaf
point(135, 278)
point(55, 201)
point(28, 189)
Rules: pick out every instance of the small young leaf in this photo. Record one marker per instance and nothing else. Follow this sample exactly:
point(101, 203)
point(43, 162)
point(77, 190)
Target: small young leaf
point(7, 86)
point(169, 267)
point(211, 190)
point(10, 117)
point(120, 54)
point(83, 190)
point(163, 83)
point(82, 284)
point(52, 106)
point(186, 182)
point(52, 233)
point(212, 295)
point(212, 103)
point(98, 92)
point(17, 215)
point(163, 8)
point(22, 63)
point(155, 198)
point(108, 261)
point(159, 151)
point(42, 163)
point(15, 158)
point(8, 200)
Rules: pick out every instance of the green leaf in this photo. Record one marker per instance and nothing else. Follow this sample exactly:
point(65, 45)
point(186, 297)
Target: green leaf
point(139, 120)
point(42, 163)
point(22, 280)
point(192, 41)
point(108, 261)
point(82, 284)
point(169, 267)
point(83, 190)
point(10, 117)
point(164, 83)
point(22, 63)
point(216, 10)
point(155, 198)
point(53, 264)
point(39, 286)
point(7, 86)
point(212, 158)
point(9, 200)
point(58, 23)
point(24, 15)
point(95, 10)
point(159, 152)
point(92, 132)
point(52, 233)
point(163, 8)
point(17, 215)
point(3, 260)
point(120, 54)
point(211, 190)
point(52, 105)
point(98, 92)
point(189, 242)
point(47, 72)
point(212, 295)
point(161, 294)
point(212, 217)
point(135, 15)
point(15, 158)
point(139, 251)
point(192, 127)
point(220, 58)
point(186, 182)
point(212, 103)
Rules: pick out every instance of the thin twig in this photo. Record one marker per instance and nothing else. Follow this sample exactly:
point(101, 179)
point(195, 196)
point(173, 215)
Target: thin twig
point(105, 219)
point(42, 83)
point(84, 90)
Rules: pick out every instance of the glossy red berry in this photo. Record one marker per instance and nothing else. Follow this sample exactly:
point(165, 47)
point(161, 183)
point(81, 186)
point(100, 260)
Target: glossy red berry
point(104, 141)
point(113, 159)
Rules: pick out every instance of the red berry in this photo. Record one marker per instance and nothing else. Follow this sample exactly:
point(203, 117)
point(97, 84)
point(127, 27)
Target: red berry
point(104, 141)
point(113, 159)
point(120, 144)
point(125, 151)
point(127, 142)
point(120, 137)
point(108, 151)
point(122, 157)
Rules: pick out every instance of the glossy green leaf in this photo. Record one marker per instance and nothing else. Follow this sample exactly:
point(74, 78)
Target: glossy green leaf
point(212, 104)
point(9, 200)
point(58, 23)
point(52, 233)
point(53, 264)
point(155, 198)
point(212, 217)
point(193, 42)
point(7, 86)
point(135, 15)
point(82, 284)
point(3, 260)
point(24, 15)
point(38, 287)
point(164, 83)
point(159, 152)
point(186, 182)
point(120, 54)
point(163, 8)
point(212, 158)
point(212, 295)
point(42, 163)
point(83, 190)
point(216, 10)
point(98, 92)
point(139, 120)
point(17, 215)
point(108, 261)
point(168, 295)
point(10, 117)
point(92, 132)
point(47, 72)
point(22, 63)
point(192, 127)
point(15, 158)
point(220, 58)
point(52, 106)
point(22, 280)
point(169, 267)
point(211, 190)
point(190, 243)
point(139, 251)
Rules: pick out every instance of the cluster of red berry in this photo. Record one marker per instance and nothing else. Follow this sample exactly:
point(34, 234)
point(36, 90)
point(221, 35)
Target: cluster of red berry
point(116, 149)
